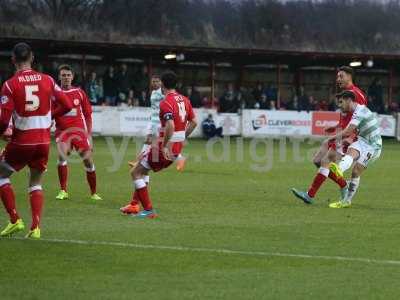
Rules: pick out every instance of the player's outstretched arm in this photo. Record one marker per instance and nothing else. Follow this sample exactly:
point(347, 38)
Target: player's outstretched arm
point(7, 108)
point(87, 112)
point(348, 131)
point(169, 131)
point(63, 105)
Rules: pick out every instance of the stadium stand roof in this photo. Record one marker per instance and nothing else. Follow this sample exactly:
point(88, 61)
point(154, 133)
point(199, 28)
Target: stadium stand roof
point(111, 51)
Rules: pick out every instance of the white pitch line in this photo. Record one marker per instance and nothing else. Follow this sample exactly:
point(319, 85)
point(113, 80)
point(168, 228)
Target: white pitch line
point(224, 251)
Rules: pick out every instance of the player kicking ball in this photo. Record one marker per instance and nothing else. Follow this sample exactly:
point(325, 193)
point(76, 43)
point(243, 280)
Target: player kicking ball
point(177, 123)
point(73, 131)
point(327, 165)
point(152, 131)
point(366, 150)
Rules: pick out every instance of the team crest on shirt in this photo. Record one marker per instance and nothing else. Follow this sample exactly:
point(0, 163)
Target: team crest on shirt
point(76, 102)
point(4, 99)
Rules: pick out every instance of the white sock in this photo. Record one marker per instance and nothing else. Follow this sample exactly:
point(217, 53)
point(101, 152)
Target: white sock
point(345, 163)
point(180, 156)
point(139, 184)
point(323, 171)
point(354, 183)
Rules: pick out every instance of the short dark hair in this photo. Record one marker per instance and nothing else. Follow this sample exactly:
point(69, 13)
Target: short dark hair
point(66, 68)
point(347, 70)
point(22, 52)
point(169, 80)
point(155, 76)
point(346, 94)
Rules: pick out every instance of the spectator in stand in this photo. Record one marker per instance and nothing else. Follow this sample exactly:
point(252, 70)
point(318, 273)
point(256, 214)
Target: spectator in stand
point(144, 99)
point(245, 98)
point(142, 81)
point(110, 87)
point(272, 93)
point(321, 105)
point(93, 89)
point(195, 97)
point(313, 103)
point(290, 103)
point(210, 103)
point(394, 108)
point(375, 95)
point(124, 83)
point(263, 102)
point(209, 128)
point(332, 104)
point(228, 101)
point(303, 100)
point(131, 100)
point(258, 91)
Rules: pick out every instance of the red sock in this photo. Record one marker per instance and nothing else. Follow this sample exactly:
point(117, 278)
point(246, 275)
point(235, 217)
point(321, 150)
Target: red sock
point(144, 198)
point(135, 198)
point(318, 181)
point(36, 198)
point(91, 179)
point(63, 176)
point(339, 180)
point(8, 198)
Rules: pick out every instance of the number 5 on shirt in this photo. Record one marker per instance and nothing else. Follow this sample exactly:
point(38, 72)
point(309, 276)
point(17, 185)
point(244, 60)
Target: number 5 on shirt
point(32, 100)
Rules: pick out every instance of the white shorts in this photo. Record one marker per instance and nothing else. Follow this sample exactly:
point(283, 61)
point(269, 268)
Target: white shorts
point(368, 154)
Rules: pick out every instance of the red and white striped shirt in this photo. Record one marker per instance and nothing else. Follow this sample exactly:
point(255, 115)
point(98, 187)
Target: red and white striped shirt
point(27, 97)
point(80, 116)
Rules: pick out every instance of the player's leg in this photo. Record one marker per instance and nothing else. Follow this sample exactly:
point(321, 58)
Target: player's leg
point(319, 179)
point(38, 166)
point(141, 191)
point(64, 150)
point(352, 187)
point(87, 159)
point(321, 153)
point(145, 148)
point(180, 162)
point(8, 198)
point(366, 155)
point(354, 182)
point(133, 207)
point(36, 199)
point(13, 158)
point(352, 154)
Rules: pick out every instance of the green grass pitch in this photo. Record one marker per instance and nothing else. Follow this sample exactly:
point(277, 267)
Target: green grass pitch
point(216, 206)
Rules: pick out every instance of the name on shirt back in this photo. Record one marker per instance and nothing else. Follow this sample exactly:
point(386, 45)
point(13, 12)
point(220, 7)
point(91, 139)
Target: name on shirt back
point(30, 78)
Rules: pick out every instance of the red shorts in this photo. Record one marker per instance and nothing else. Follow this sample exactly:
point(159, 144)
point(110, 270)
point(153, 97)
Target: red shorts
point(78, 140)
point(155, 160)
point(33, 156)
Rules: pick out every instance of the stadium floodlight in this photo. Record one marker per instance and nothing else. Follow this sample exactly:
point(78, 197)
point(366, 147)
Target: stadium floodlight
point(370, 63)
point(170, 56)
point(356, 64)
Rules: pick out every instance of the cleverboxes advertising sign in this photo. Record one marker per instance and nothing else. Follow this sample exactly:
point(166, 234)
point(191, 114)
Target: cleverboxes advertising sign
point(323, 119)
point(265, 122)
